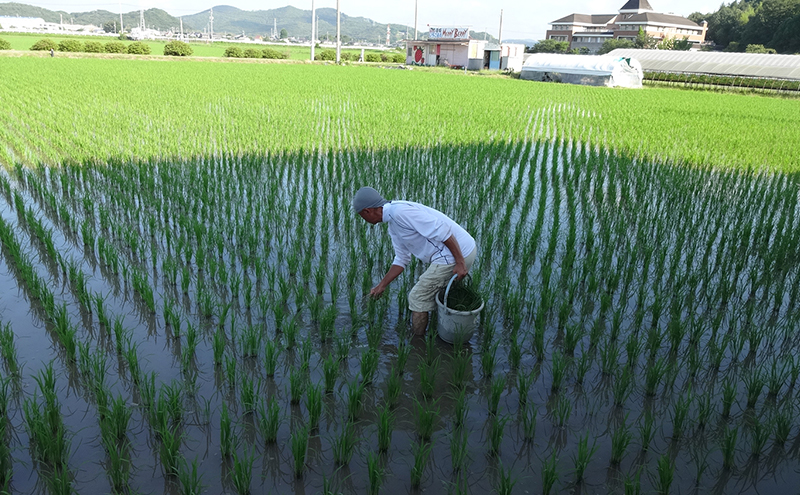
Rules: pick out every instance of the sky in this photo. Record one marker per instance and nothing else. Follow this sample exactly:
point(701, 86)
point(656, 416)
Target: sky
point(522, 19)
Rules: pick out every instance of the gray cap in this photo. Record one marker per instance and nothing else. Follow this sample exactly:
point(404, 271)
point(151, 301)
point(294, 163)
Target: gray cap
point(367, 197)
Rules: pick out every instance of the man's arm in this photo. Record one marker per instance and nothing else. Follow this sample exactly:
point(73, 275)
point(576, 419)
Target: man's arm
point(393, 273)
point(461, 268)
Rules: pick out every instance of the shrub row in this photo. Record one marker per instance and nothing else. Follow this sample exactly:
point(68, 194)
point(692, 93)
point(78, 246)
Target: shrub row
point(271, 53)
point(4, 45)
point(136, 48)
point(733, 81)
point(330, 55)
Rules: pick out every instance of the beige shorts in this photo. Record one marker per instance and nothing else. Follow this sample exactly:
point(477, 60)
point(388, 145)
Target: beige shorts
point(422, 297)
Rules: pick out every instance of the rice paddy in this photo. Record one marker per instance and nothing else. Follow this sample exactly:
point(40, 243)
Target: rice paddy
point(185, 286)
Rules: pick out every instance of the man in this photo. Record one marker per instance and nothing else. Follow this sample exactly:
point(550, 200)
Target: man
point(428, 234)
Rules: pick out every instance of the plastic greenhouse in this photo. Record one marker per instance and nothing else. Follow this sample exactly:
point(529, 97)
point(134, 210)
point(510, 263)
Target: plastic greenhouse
point(589, 70)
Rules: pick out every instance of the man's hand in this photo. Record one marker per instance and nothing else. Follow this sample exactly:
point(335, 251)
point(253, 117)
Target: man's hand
point(377, 291)
point(461, 270)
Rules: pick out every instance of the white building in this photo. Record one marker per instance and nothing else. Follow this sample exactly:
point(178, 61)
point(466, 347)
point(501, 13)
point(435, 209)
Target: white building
point(452, 47)
point(11, 23)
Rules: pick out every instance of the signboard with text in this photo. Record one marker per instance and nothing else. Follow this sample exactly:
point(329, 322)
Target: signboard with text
point(448, 33)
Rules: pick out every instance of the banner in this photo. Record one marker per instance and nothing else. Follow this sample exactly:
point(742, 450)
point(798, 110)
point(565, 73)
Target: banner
point(449, 33)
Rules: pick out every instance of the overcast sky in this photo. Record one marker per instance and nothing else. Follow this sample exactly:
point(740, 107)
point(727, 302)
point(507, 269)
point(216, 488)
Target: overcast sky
point(522, 19)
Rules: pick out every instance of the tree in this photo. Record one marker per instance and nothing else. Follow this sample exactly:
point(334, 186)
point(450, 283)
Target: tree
point(674, 44)
point(110, 27)
point(727, 24)
point(758, 49)
point(138, 48)
point(768, 18)
point(549, 46)
point(644, 40)
point(177, 48)
point(613, 44)
point(4, 45)
point(284, 34)
point(45, 45)
point(787, 37)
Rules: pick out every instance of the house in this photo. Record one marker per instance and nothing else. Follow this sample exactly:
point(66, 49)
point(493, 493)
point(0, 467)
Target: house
point(453, 47)
point(590, 31)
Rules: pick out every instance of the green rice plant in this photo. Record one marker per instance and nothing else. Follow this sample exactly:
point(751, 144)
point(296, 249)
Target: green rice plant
point(459, 365)
point(269, 419)
point(170, 453)
point(562, 411)
point(622, 386)
point(369, 365)
point(753, 384)
point(524, 382)
point(393, 386)
point(114, 425)
point(549, 473)
point(495, 392)
point(375, 473)
point(227, 440)
point(728, 447)
point(775, 378)
point(385, 427)
point(584, 455)
point(633, 348)
point(427, 377)
point(314, 406)
point(646, 430)
point(230, 370)
point(704, 410)
point(783, 427)
point(118, 466)
point(558, 370)
point(680, 412)
point(489, 359)
point(330, 372)
point(342, 347)
point(728, 396)
point(632, 483)
point(495, 433)
point(620, 440)
point(403, 351)
point(121, 335)
point(528, 422)
point(327, 321)
point(250, 389)
point(271, 354)
point(652, 377)
point(514, 353)
point(459, 449)
point(582, 367)
point(572, 335)
point(355, 399)
point(251, 341)
point(460, 409)
point(427, 414)
point(299, 442)
point(430, 348)
point(218, 346)
point(306, 350)
point(666, 474)
point(344, 444)
point(759, 434)
point(505, 483)
point(297, 385)
point(242, 474)
point(190, 480)
point(422, 451)
point(290, 333)
point(59, 482)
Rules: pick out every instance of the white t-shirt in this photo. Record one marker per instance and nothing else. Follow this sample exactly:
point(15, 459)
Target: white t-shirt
point(420, 230)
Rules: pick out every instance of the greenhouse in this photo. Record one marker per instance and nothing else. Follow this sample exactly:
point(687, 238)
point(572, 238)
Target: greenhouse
point(757, 65)
point(587, 70)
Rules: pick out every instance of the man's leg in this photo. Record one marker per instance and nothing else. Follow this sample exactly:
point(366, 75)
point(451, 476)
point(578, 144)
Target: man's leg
point(419, 322)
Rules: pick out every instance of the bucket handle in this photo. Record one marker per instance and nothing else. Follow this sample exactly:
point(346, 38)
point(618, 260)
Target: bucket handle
point(447, 291)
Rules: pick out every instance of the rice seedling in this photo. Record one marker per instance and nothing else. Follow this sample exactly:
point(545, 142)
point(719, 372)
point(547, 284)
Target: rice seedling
point(290, 333)
point(665, 476)
point(297, 385)
point(528, 421)
point(583, 456)
point(403, 351)
point(249, 393)
point(342, 347)
point(375, 473)
point(355, 399)
point(422, 451)
point(759, 435)
point(227, 440)
point(653, 376)
point(385, 427)
point(728, 396)
point(459, 448)
point(330, 371)
point(495, 392)
point(620, 440)
point(305, 356)
point(299, 442)
point(427, 414)
point(218, 346)
point(646, 430)
point(753, 384)
point(242, 474)
point(230, 370)
point(680, 412)
point(728, 447)
point(582, 367)
point(505, 483)
point(170, 453)
point(190, 480)
point(549, 473)
point(459, 364)
point(489, 359)
point(524, 381)
point(118, 466)
point(369, 365)
point(495, 433)
point(314, 406)
point(562, 411)
point(251, 341)
point(783, 427)
point(427, 377)
point(269, 419)
point(271, 354)
point(393, 385)
point(344, 444)
point(558, 370)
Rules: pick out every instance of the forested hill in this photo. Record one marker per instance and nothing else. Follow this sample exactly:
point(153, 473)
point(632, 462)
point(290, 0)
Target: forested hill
point(773, 24)
point(227, 19)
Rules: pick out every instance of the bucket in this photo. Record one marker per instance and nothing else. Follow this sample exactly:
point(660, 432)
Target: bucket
point(455, 325)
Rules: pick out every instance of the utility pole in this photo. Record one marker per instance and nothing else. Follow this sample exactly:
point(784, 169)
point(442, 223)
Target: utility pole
point(388, 35)
point(181, 28)
point(121, 27)
point(313, 27)
point(338, 34)
point(416, 5)
point(500, 34)
point(211, 24)
point(275, 27)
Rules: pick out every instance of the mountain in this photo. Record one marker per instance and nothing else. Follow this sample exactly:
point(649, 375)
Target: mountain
point(153, 18)
point(231, 20)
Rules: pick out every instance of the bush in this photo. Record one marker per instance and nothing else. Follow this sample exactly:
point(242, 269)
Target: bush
point(115, 47)
point(138, 48)
point(4, 45)
point(272, 53)
point(399, 58)
point(251, 53)
point(347, 56)
point(93, 47)
point(233, 52)
point(372, 57)
point(44, 45)
point(70, 46)
point(329, 55)
point(177, 49)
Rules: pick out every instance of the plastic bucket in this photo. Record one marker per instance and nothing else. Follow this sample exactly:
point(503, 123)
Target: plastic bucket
point(455, 325)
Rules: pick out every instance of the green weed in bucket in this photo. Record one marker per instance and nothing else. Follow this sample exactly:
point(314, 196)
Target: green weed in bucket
point(463, 296)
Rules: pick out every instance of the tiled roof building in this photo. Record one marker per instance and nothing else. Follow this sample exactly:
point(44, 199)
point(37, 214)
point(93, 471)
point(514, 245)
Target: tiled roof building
point(591, 31)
